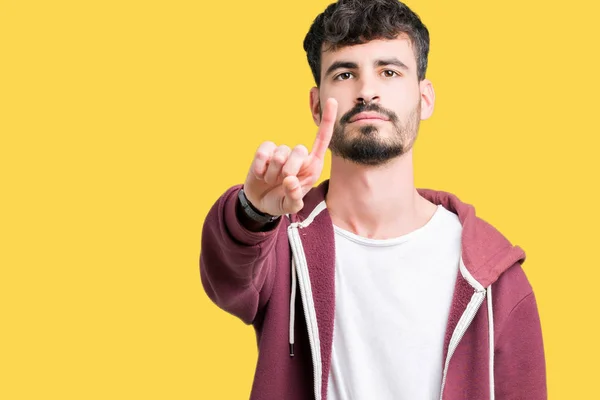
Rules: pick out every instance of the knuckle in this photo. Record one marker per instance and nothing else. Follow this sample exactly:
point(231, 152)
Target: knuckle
point(281, 154)
point(301, 149)
point(265, 149)
point(291, 167)
point(283, 149)
point(262, 155)
point(279, 159)
point(257, 170)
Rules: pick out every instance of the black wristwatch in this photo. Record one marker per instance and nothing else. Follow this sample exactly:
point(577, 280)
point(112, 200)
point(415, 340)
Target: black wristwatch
point(252, 212)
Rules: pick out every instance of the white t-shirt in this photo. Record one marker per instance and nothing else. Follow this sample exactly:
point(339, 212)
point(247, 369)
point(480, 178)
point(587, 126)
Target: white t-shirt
point(392, 302)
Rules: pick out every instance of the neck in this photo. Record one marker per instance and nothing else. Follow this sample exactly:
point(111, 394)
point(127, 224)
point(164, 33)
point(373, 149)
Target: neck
point(376, 202)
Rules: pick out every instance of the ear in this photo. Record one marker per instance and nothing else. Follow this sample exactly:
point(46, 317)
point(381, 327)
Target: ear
point(315, 105)
point(427, 98)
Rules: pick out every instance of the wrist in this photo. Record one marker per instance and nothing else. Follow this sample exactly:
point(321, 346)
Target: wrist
point(254, 213)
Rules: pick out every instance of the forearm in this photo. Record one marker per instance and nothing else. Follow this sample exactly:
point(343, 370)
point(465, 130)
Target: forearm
point(235, 262)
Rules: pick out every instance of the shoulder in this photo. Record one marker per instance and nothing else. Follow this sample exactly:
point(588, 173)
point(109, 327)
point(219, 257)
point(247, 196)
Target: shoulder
point(511, 288)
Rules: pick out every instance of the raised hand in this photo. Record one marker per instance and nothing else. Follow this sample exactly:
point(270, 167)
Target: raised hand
point(280, 177)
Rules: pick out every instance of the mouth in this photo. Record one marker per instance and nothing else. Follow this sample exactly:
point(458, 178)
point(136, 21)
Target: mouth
point(368, 117)
point(368, 120)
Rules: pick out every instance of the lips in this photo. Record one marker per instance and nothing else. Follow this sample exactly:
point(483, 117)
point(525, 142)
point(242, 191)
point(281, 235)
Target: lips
point(368, 115)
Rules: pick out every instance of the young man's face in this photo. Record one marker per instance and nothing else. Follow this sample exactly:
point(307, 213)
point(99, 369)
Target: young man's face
point(380, 99)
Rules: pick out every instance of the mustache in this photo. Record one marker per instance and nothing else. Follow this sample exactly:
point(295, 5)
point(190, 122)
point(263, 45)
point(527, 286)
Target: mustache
point(362, 107)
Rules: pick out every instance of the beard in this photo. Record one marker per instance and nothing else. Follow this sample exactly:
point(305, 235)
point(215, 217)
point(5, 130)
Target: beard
point(366, 146)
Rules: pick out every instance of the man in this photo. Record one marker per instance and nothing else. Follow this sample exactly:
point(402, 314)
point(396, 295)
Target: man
point(366, 287)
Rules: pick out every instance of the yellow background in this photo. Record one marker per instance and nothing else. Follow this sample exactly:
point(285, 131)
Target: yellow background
point(122, 121)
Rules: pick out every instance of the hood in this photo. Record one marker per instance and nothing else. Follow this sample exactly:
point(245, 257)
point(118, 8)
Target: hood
point(486, 252)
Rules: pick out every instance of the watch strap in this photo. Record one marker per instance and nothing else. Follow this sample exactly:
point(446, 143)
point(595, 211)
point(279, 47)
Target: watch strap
point(252, 211)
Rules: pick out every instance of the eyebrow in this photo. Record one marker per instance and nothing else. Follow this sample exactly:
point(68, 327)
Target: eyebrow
point(391, 61)
point(340, 64)
point(378, 63)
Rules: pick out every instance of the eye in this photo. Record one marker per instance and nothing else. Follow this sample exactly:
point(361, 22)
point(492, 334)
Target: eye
point(388, 73)
point(343, 76)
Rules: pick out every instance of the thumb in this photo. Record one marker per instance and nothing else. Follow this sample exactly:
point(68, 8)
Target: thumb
point(292, 201)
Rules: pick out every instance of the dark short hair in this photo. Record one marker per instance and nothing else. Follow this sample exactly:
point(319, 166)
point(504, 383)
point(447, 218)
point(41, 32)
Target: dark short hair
point(351, 22)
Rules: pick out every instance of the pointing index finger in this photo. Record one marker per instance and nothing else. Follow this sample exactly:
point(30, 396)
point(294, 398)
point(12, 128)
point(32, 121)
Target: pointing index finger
point(325, 129)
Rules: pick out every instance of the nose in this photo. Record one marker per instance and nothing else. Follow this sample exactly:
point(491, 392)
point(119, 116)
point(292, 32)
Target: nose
point(367, 93)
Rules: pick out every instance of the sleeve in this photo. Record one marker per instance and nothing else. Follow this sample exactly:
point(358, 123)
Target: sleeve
point(520, 368)
point(236, 264)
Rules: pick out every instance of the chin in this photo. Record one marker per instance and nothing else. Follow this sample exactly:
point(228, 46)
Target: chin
point(370, 130)
point(364, 130)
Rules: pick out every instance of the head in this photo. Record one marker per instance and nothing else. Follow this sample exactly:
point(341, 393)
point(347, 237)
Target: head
point(371, 56)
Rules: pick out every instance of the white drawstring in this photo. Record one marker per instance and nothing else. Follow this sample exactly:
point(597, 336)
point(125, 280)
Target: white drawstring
point(301, 275)
point(292, 308)
point(293, 231)
point(491, 340)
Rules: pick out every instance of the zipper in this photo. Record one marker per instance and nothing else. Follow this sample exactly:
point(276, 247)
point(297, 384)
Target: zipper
point(301, 267)
point(461, 328)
